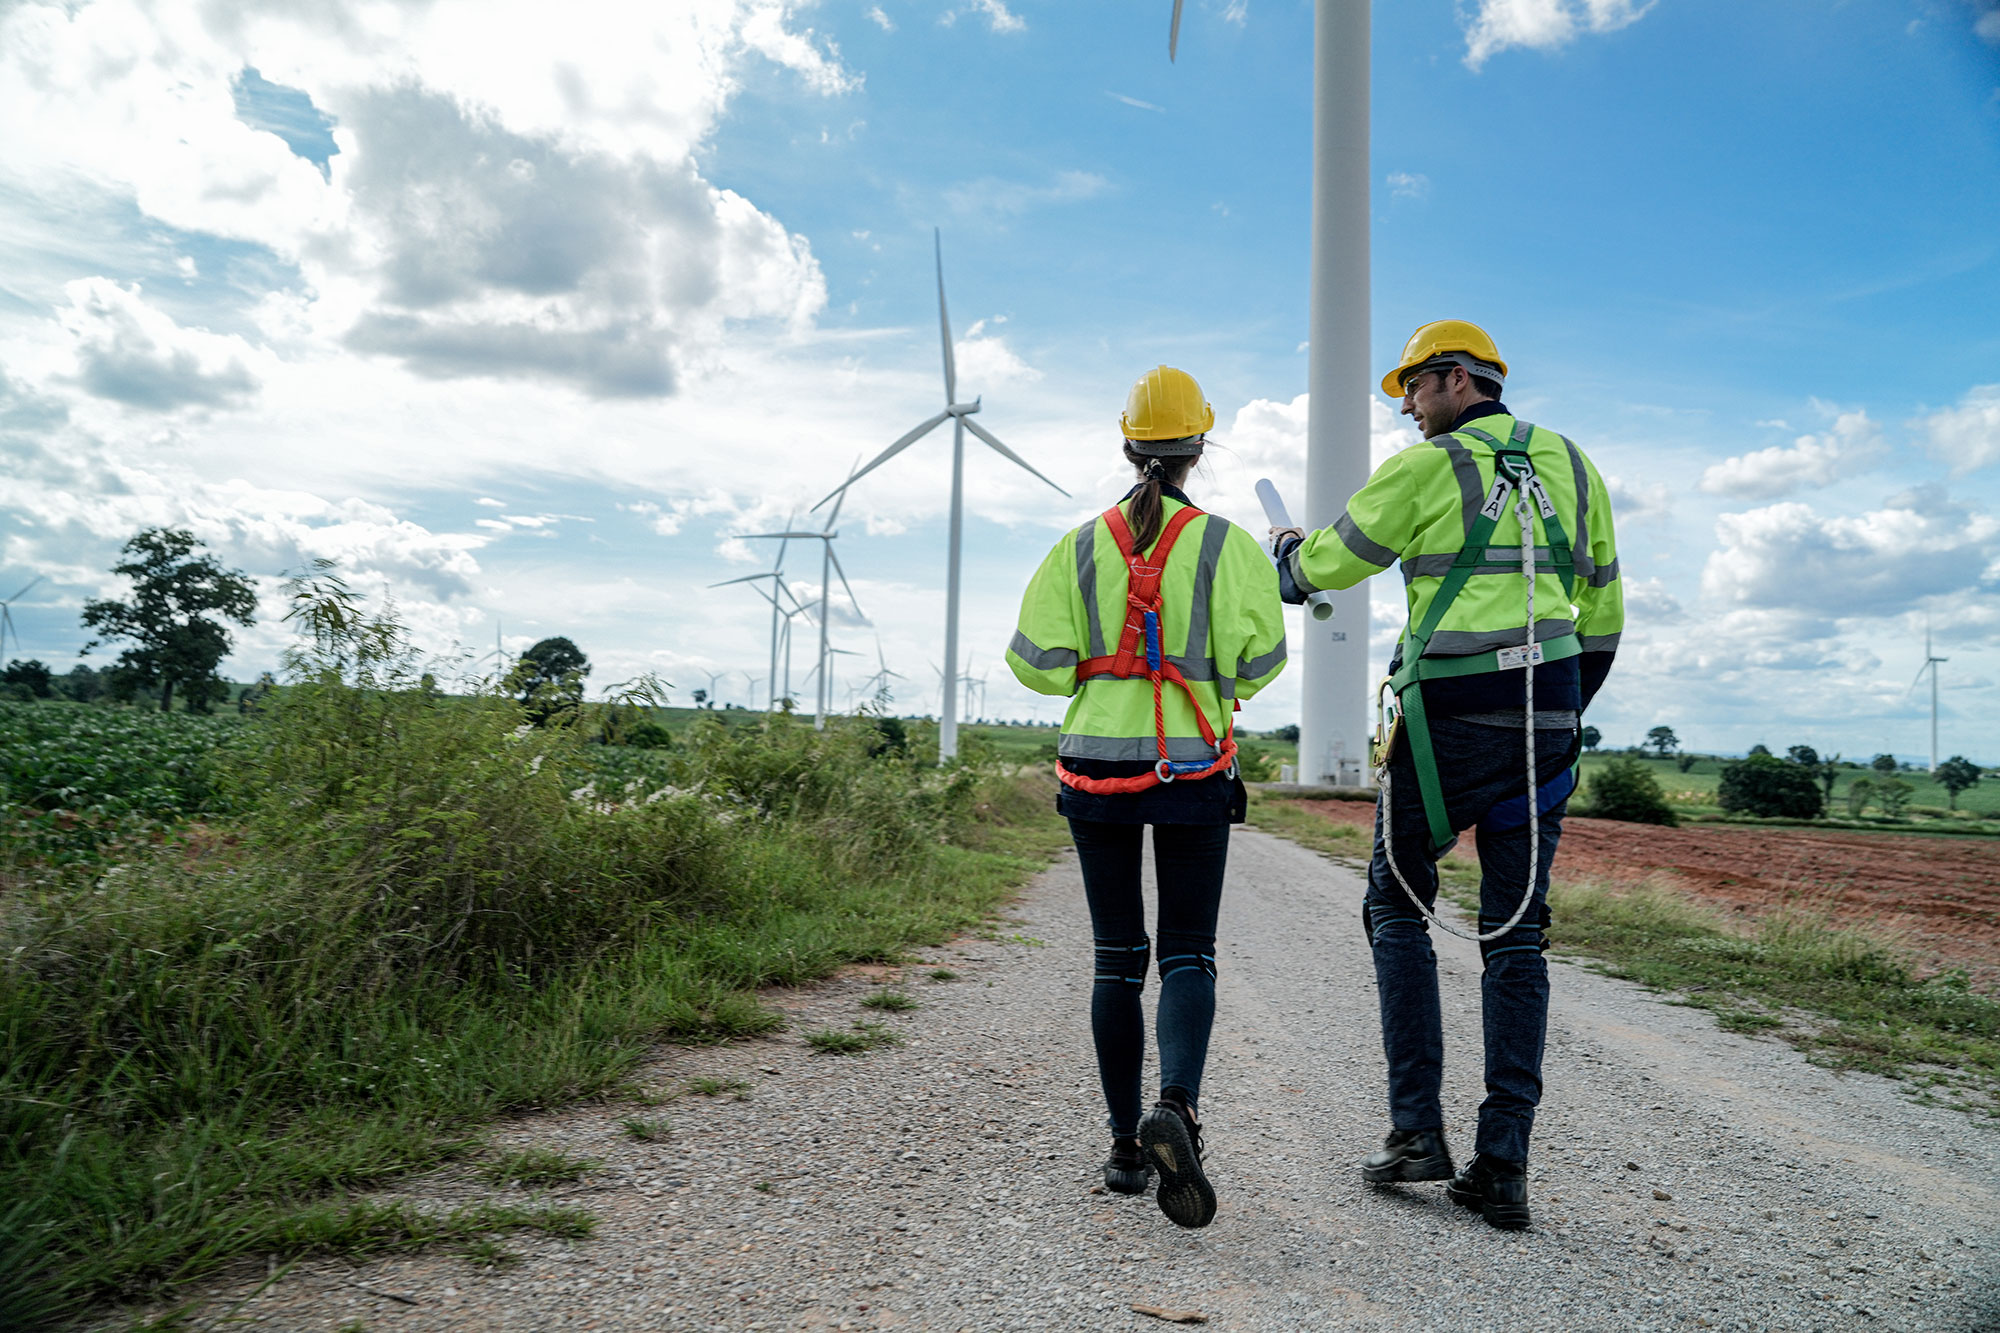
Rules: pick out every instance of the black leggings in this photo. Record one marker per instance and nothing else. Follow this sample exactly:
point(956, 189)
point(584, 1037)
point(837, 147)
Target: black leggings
point(1189, 860)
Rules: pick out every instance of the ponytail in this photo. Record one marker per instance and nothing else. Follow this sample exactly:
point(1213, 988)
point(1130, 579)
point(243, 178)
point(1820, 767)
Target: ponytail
point(1146, 505)
point(1148, 509)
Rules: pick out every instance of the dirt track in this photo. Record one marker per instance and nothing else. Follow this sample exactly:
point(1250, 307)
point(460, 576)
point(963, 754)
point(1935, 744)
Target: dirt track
point(1937, 895)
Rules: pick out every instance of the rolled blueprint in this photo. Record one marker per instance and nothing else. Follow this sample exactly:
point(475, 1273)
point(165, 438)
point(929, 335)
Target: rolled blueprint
point(1320, 604)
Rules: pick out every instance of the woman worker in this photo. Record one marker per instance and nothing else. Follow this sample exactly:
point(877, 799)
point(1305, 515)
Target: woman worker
point(1156, 618)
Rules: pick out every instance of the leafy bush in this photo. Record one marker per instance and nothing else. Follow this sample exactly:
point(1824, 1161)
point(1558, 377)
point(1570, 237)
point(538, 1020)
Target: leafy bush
point(649, 735)
point(423, 913)
point(1626, 789)
point(1766, 785)
point(1893, 794)
point(1859, 793)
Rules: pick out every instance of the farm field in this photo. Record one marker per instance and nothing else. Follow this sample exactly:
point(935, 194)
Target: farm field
point(1938, 897)
point(1696, 787)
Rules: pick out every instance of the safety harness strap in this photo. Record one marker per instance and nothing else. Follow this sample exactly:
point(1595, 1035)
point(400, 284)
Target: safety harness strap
point(1141, 655)
point(1512, 471)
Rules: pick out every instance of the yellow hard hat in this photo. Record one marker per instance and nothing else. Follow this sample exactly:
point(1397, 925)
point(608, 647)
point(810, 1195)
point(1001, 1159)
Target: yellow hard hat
point(1166, 404)
point(1438, 341)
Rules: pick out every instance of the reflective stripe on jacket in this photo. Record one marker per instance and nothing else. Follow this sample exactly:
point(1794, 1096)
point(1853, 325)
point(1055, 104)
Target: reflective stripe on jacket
point(1222, 625)
point(1416, 512)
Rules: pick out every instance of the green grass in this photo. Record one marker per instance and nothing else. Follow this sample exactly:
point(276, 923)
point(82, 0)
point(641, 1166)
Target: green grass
point(894, 1001)
point(489, 1253)
point(530, 1167)
point(647, 1129)
point(407, 928)
point(942, 974)
point(720, 1087)
point(857, 1040)
point(1845, 997)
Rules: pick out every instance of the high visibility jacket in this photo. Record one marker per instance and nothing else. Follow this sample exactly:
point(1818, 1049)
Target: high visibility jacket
point(1222, 625)
point(1416, 512)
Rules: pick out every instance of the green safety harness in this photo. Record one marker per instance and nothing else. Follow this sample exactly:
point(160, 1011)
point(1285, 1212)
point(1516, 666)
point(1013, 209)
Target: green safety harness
point(1402, 710)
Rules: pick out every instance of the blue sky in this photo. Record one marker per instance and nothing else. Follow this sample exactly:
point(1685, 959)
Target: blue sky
point(527, 321)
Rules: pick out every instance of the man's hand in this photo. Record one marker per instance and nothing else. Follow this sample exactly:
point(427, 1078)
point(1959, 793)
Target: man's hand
point(1281, 537)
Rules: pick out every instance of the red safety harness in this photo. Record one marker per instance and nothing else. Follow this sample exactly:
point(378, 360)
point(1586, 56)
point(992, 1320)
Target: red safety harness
point(1139, 654)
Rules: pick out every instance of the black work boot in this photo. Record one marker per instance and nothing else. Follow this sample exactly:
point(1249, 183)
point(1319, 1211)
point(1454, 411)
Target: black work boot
point(1172, 1141)
point(1126, 1170)
point(1498, 1189)
point(1408, 1154)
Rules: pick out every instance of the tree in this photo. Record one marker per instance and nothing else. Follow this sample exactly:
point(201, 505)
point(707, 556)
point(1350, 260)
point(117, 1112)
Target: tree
point(1759, 748)
point(178, 644)
point(1859, 792)
point(1591, 738)
point(1626, 789)
point(1663, 740)
point(1766, 785)
point(1803, 754)
point(1884, 763)
point(1955, 775)
point(32, 679)
point(1687, 762)
point(1893, 794)
point(82, 684)
point(549, 679)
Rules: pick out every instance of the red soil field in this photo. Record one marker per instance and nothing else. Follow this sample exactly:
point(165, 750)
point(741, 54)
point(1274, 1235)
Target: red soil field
point(1937, 897)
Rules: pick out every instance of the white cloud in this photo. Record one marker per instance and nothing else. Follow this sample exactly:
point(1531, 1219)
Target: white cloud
point(1849, 446)
point(1267, 438)
point(1408, 185)
point(491, 210)
point(990, 195)
point(1543, 25)
point(1133, 101)
point(1237, 12)
point(984, 359)
point(1638, 501)
point(880, 19)
point(1788, 557)
point(130, 352)
point(1966, 436)
point(998, 16)
point(1988, 25)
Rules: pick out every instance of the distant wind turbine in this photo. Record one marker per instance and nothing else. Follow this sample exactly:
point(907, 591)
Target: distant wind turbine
point(960, 415)
point(781, 619)
point(1931, 661)
point(7, 617)
point(829, 566)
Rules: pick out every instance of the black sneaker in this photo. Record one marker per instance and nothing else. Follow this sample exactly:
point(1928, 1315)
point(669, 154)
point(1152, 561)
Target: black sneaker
point(1498, 1189)
point(1126, 1170)
point(1173, 1143)
point(1408, 1154)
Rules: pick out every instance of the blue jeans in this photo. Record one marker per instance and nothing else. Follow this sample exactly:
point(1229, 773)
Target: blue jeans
point(1478, 766)
point(1189, 860)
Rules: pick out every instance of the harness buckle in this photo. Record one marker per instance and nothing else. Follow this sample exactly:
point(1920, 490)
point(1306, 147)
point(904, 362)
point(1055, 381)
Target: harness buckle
point(1163, 771)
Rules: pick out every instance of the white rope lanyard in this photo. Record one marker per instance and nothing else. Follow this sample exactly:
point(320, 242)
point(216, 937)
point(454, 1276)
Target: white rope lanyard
point(1534, 787)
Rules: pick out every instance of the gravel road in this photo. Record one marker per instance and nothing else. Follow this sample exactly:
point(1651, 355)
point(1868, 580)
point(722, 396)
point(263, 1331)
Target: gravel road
point(1682, 1178)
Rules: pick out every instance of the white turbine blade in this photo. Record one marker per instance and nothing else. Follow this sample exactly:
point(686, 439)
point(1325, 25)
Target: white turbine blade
point(778, 536)
point(944, 324)
point(747, 578)
point(1174, 33)
point(1004, 451)
point(25, 591)
point(834, 517)
point(905, 442)
point(851, 600)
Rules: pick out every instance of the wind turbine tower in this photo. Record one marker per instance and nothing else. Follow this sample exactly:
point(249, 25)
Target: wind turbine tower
point(960, 415)
point(1931, 661)
point(1333, 714)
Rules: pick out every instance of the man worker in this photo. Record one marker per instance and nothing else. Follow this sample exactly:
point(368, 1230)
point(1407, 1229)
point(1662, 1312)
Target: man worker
point(1486, 645)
